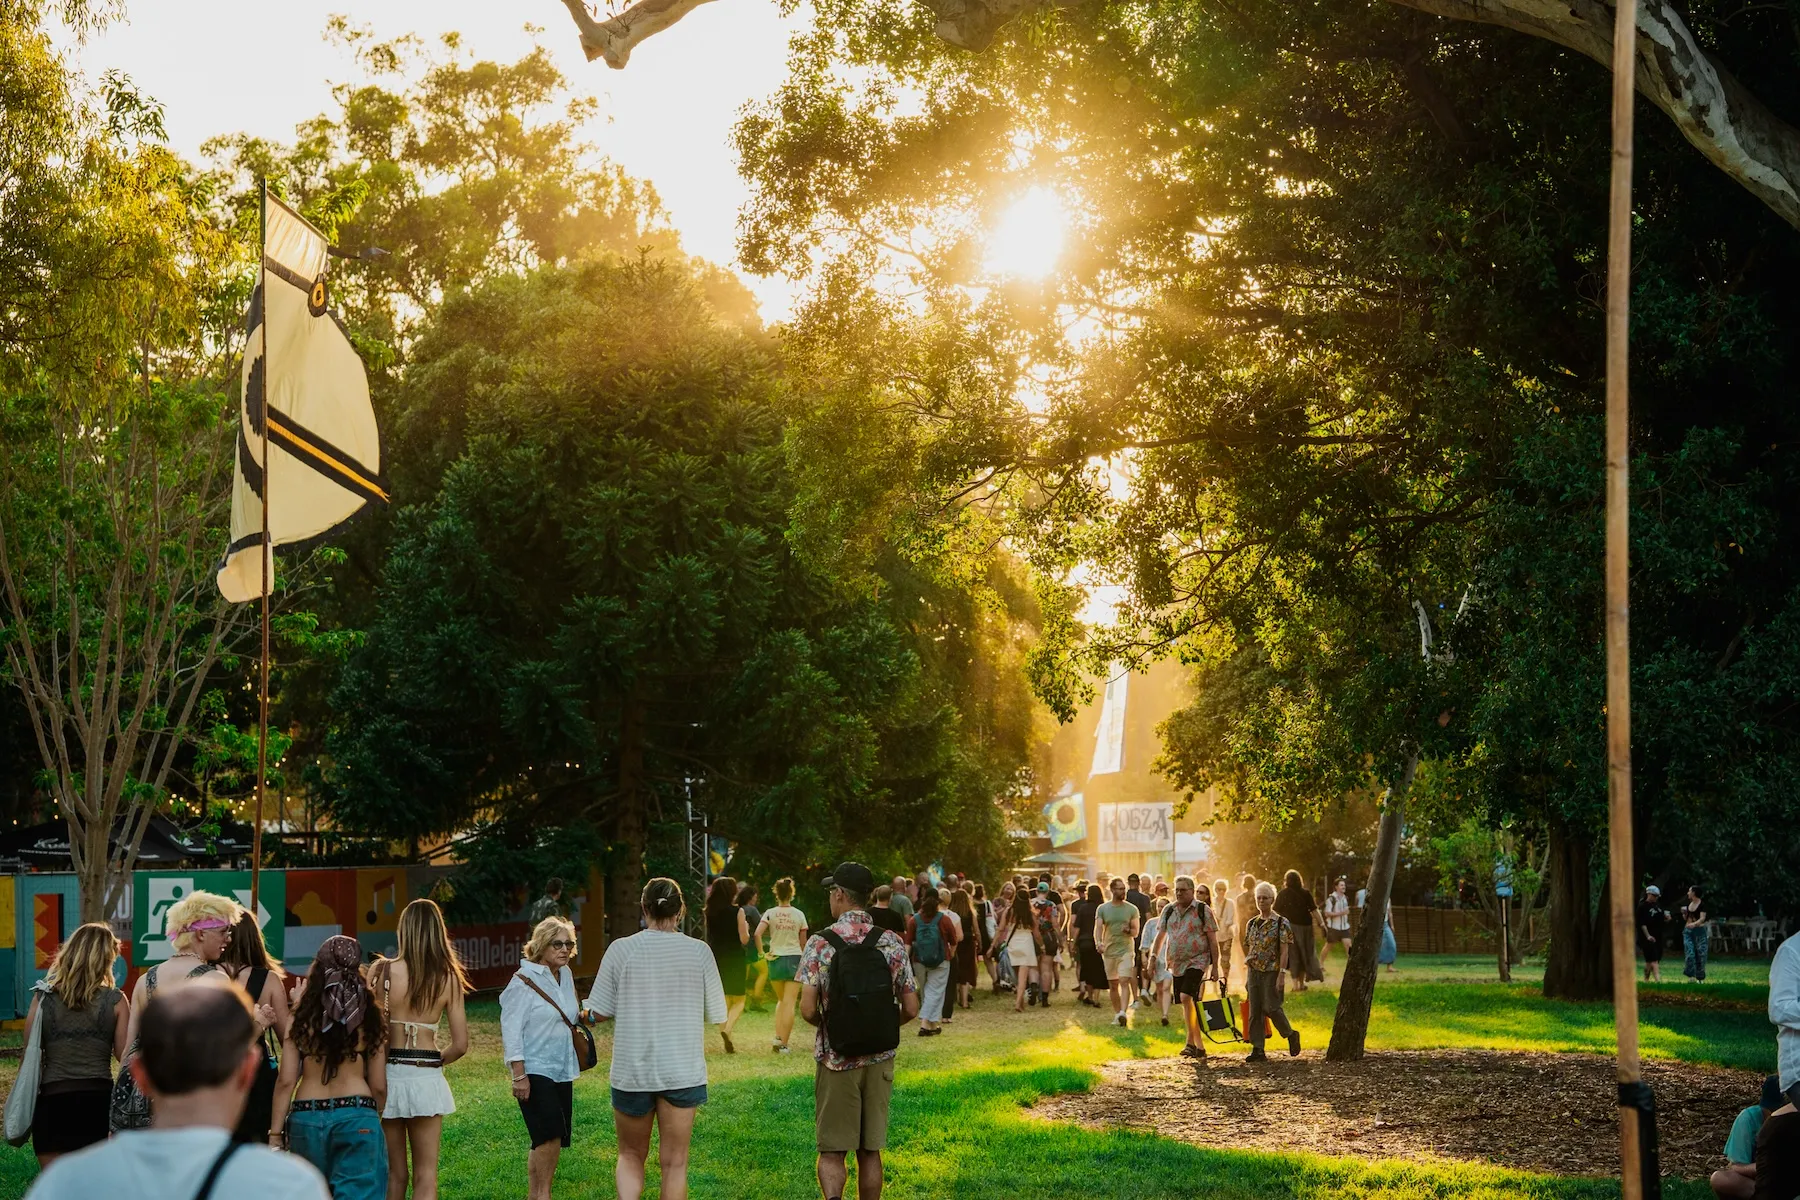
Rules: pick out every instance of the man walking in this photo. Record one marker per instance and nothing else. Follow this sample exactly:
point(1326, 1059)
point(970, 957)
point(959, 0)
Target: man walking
point(1268, 941)
point(1245, 904)
point(883, 913)
point(857, 987)
point(550, 904)
point(197, 1057)
point(1189, 935)
point(1135, 892)
point(1048, 915)
point(898, 900)
point(1119, 922)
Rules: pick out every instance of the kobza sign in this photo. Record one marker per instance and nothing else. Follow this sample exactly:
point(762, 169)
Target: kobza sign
point(1137, 828)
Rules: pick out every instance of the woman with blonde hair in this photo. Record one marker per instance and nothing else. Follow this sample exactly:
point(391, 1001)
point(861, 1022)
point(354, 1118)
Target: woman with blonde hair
point(537, 1010)
point(334, 1076)
point(248, 961)
point(84, 1027)
point(198, 928)
point(1225, 909)
point(418, 987)
point(785, 927)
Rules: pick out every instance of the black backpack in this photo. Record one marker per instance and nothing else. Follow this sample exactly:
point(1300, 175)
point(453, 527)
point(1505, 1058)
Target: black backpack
point(862, 1014)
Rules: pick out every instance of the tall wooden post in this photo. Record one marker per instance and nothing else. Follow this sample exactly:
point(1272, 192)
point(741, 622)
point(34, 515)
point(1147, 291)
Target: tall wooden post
point(262, 691)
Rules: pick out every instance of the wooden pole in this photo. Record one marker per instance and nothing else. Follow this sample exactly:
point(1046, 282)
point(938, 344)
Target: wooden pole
point(262, 720)
point(1634, 1185)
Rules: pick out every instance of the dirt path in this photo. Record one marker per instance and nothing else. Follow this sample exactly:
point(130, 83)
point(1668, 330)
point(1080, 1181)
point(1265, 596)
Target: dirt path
point(1536, 1112)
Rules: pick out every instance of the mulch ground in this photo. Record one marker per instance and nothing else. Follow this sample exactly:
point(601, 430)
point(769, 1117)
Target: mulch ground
point(1552, 1113)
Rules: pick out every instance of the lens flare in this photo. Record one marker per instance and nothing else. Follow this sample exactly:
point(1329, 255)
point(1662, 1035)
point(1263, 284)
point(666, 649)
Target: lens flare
point(1028, 239)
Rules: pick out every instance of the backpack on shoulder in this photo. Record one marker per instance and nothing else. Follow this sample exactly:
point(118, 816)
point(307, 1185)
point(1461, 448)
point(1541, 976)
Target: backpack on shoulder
point(928, 942)
point(862, 1014)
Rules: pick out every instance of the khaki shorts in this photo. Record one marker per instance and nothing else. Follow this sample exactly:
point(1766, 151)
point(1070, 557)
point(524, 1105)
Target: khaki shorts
point(1122, 967)
point(852, 1107)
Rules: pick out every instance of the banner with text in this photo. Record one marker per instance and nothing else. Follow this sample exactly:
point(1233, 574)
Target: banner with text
point(1137, 828)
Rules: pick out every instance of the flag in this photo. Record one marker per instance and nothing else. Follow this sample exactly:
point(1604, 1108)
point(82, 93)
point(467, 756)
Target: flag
point(1066, 819)
point(302, 376)
point(1109, 735)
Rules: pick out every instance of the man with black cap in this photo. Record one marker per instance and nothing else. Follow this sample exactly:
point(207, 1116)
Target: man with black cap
point(852, 1090)
point(1651, 918)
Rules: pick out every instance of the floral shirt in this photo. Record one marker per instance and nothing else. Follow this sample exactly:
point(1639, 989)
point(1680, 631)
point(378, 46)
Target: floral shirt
point(1048, 914)
point(1185, 932)
point(815, 963)
point(1263, 939)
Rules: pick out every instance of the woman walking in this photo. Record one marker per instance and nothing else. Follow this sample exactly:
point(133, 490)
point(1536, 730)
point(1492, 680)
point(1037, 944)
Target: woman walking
point(727, 933)
point(83, 1021)
point(932, 937)
point(968, 947)
point(334, 1076)
point(248, 962)
point(536, 1011)
point(198, 927)
point(661, 990)
point(1297, 904)
point(1268, 941)
point(756, 971)
point(1018, 936)
point(1225, 910)
point(1162, 981)
point(422, 984)
point(785, 927)
point(1090, 974)
point(1694, 935)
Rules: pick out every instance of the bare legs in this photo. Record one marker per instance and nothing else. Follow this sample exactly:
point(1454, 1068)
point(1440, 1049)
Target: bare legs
point(834, 1174)
point(541, 1169)
point(677, 1126)
point(1022, 977)
point(784, 1010)
point(424, 1135)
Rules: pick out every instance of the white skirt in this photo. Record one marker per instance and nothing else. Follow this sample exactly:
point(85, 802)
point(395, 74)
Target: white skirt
point(415, 1091)
point(1021, 950)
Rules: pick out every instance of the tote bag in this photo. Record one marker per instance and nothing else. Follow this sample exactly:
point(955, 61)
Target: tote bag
point(21, 1102)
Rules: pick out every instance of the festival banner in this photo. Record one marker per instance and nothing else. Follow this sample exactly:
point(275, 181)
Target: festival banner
point(1137, 828)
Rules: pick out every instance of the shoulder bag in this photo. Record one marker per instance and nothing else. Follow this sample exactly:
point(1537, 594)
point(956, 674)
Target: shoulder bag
point(586, 1054)
point(21, 1102)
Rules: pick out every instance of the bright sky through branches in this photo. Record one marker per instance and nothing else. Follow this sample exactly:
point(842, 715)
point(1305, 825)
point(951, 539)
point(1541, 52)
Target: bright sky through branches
point(1028, 238)
point(221, 66)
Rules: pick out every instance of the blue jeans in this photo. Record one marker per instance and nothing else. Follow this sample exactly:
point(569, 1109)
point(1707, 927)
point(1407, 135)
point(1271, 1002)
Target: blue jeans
point(1695, 939)
point(347, 1147)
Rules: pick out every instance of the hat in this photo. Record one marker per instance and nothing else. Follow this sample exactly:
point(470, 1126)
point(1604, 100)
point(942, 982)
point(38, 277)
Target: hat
point(1653, 890)
point(852, 877)
point(1043, 887)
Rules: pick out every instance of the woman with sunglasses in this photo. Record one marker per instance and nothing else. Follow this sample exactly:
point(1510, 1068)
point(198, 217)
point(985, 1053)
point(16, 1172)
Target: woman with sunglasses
point(198, 928)
point(536, 1010)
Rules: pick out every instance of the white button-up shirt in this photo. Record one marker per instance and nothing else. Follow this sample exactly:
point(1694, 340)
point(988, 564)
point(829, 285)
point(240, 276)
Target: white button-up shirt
point(531, 1031)
point(1784, 1009)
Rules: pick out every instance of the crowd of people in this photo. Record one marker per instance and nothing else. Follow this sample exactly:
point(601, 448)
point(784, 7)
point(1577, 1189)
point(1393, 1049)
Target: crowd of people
point(235, 1079)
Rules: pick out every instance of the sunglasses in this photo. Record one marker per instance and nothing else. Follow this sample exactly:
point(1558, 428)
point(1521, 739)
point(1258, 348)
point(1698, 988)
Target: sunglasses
point(562, 945)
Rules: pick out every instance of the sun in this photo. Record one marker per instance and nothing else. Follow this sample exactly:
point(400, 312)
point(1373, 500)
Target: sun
point(1028, 239)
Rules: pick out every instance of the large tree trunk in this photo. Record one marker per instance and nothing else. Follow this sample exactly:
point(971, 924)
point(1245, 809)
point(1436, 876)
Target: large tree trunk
point(1579, 966)
point(625, 878)
point(1356, 996)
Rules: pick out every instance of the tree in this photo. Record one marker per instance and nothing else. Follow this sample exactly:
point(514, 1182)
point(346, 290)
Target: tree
point(114, 449)
point(1685, 64)
point(593, 618)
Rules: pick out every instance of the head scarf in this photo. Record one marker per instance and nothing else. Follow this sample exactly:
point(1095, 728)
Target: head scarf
point(342, 995)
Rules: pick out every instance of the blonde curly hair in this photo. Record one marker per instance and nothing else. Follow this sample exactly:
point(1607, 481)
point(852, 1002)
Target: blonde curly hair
point(197, 906)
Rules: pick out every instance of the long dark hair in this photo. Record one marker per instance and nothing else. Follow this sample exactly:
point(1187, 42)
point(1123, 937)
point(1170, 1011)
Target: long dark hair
point(246, 951)
point(1292, 880)
point(1021, 909)
point(928, 901)
point(1094, 894)
point(746, 893)
point(721, 895)
point(337, 1019)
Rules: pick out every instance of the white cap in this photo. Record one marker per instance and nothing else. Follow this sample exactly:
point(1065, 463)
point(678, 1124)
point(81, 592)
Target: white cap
point(1653, 890)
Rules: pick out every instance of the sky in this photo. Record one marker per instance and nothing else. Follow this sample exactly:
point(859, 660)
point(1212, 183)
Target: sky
point(223, 66)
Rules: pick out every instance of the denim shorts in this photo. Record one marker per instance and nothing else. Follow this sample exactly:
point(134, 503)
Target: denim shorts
point(347, 1147)
point(642, 1104)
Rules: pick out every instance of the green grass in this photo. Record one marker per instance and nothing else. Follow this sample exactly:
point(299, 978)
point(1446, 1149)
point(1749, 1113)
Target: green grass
point(960, 1129)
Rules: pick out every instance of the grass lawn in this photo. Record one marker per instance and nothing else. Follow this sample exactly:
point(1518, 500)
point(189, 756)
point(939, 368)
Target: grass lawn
point(959, 1128)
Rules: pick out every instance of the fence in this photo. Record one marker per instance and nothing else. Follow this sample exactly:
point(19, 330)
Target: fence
point(297, 911)
point(1442, 931)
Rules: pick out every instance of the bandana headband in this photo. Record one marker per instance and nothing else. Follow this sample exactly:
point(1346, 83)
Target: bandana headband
point(205, 923)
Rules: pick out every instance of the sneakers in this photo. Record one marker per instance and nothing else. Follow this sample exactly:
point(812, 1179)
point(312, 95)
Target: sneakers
point(1119, 1019)
point(778, 1048)
point(1294, 1044)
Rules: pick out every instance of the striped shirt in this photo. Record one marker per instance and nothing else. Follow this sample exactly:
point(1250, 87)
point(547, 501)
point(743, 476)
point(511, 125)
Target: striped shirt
point(662, 990)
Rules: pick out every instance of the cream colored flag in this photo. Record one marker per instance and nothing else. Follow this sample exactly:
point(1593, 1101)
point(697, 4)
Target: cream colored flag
point(302, 374)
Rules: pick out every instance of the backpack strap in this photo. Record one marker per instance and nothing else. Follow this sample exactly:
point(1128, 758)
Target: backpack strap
point(212, 1175)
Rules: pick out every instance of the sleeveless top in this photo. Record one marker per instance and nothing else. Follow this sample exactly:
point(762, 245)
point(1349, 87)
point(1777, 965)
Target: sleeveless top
point(785, 923)
point(722, 932)
point(78, 1045)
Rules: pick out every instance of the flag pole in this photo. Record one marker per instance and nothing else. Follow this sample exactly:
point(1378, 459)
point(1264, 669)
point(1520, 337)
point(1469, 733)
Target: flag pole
point(262, 721)
point(1639, 1177)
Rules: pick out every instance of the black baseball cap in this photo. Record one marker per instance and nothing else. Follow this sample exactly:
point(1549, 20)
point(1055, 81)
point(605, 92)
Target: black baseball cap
point(852, 877)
